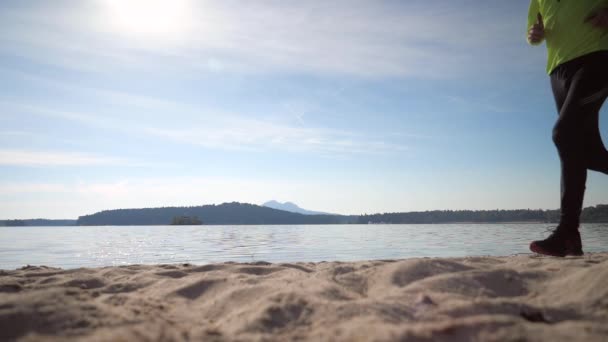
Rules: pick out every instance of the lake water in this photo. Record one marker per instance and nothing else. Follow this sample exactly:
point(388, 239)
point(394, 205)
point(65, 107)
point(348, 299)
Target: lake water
point(71, 247)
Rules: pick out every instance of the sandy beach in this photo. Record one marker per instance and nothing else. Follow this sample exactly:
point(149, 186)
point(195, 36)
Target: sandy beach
point(515, 298)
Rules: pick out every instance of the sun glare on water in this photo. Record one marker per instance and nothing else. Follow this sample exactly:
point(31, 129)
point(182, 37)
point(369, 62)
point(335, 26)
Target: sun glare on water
point(149, 17)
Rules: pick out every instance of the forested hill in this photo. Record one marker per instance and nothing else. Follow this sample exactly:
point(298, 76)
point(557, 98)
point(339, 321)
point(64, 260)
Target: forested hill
point(226, 213)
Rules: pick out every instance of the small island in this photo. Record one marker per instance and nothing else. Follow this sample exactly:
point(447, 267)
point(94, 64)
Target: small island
point(186, 221)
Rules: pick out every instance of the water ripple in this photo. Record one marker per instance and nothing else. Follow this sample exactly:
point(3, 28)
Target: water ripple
point(70, 247)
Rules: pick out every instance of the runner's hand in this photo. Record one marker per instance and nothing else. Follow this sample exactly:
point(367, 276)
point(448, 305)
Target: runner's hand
point(536, 34)
point(599, 18)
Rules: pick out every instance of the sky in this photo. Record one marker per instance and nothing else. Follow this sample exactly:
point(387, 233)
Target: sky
point(342, 106)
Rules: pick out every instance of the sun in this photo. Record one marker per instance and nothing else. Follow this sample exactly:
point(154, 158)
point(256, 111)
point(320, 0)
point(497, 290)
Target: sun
point(149, 17)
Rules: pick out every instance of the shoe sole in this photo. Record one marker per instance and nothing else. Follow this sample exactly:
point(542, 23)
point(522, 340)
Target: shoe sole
point(538, 250)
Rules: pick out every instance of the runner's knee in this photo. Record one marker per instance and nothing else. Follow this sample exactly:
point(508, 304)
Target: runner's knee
point(561, 136)
point(567, 138)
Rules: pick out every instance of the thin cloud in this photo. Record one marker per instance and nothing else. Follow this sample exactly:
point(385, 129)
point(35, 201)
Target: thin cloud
point(81, 117)
point(36, 188)
point(244, 134)
point(19, 134)
point(476, 105)
point(208, 128)
point(362, 38)
point(111, 96)
point(217, 131)
point(10, 157)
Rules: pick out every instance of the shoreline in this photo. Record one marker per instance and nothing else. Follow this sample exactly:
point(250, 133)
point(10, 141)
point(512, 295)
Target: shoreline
point(300, 224)
point(518, 297)
point(303, 224)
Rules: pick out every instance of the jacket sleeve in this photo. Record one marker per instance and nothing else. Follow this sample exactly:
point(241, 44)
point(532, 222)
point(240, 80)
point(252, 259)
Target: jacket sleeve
point(533, 12)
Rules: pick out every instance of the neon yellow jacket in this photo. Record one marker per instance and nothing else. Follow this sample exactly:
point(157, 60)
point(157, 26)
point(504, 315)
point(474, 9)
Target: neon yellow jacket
point(566, 33)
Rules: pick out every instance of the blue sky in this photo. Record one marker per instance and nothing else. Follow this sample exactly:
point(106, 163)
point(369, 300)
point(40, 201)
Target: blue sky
point(341, 106)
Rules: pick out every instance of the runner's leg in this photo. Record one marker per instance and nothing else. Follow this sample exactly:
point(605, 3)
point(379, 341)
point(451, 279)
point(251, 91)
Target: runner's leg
point(576, 132)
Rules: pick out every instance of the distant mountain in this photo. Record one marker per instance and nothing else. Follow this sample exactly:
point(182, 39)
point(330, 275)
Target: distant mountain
point(223, 214)
point(291, 207)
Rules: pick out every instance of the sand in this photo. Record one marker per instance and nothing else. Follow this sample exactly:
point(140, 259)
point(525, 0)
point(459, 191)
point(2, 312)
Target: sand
point(515, 298)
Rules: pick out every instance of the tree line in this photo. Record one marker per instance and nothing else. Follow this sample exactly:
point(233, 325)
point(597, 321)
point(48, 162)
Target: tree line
point(596, 214)
point(248, 214)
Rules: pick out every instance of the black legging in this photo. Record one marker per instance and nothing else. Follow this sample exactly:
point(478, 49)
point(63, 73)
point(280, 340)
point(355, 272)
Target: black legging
point(580, 87)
